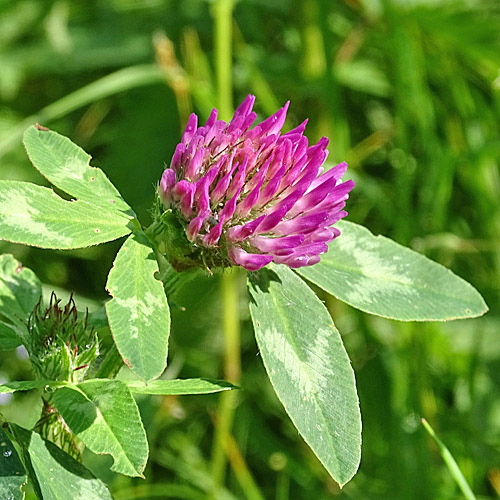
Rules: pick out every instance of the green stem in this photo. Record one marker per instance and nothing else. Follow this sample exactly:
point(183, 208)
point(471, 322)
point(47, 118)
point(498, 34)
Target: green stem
point(223, 13)
point(228, 400)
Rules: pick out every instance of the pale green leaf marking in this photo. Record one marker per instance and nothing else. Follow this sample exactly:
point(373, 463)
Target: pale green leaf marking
point(104, 415)
point(379, 276)
point(308, 367)
point(36, 216)
point(67, 166)
point(138, 314)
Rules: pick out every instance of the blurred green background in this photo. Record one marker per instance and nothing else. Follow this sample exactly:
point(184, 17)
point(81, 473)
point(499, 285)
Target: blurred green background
point(409, 94)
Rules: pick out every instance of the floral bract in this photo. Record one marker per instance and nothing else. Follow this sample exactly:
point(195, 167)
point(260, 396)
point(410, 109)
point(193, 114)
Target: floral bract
point(252, 195)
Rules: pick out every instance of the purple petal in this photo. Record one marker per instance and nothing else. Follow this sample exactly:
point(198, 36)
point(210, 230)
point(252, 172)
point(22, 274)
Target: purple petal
point(258, 177)
point(330, 204)
point(274, 245)
point(194, 226)
point(335, 217)
point(213, 236)
point(271, 188)
point(244, 108)
point(302, 224)
point(302, 255)
point(221, 187)
point(227, 212)
point(244, 207)
point(250, 261)
point(274, 123)
point(294, 193)
point(297, 130)
point(166, 185)
point(334, 174)
point(302, 261)
point(324, 235)
point(190, 129)
point(193, 168)
point(216, 130)
point(238, 180)
point(240, 233)
point(327, 191)
point(211, 119)
point(271, 220)
point(184, 191)
point(180, 149)
point(247, 123)
point(201, 196)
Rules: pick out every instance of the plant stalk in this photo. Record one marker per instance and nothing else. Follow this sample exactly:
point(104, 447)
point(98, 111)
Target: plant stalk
point(223, 10)
point(228, 400)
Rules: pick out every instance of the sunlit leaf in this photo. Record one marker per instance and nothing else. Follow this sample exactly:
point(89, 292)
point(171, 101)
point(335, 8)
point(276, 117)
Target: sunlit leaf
point(103, 414)
point(9, 337)
point(36, 216)
point(67, 167)
point(180, 387)
point(139, 316)
point(308, 367)
point(379, 276)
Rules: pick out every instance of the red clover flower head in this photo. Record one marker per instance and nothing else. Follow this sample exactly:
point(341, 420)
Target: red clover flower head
point(254, 195)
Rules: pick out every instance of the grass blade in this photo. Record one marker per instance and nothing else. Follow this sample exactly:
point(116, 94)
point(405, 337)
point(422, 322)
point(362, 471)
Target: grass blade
point(450, 462)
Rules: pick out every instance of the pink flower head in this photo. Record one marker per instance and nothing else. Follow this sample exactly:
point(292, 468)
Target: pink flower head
point(253, 194)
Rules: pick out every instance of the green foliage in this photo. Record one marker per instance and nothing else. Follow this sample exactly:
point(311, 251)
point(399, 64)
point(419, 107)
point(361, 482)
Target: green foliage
point(34, 215)
point(103, 414)
point(20, 291)
point(451, 463)
point(378, 276)
point(67, 167)
point(13, 475)
point(27, 385)
point(308, 367)
point(139, 316)
point(46, 462)
point(180, 387)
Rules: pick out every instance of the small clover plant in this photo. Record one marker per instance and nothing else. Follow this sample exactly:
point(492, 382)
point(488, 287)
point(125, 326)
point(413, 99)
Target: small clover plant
point(234, 195)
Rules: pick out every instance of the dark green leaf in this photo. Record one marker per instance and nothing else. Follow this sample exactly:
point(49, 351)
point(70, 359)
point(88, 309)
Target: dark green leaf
point(308, 367)
point(379, 276)
point(54, 474)
point(139, 316)
point(12, 473)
